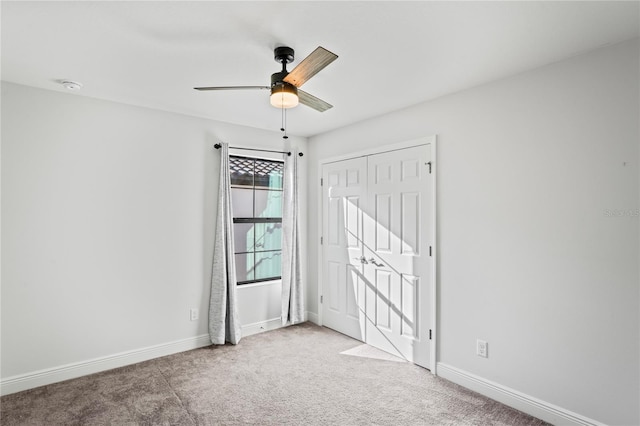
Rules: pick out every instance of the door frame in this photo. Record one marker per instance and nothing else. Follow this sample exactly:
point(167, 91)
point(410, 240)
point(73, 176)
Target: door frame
point(427, 140)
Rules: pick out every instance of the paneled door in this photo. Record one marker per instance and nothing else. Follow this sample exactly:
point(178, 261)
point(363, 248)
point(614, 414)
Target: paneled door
point(396, 247)
point(377, 264)
point(344, 194)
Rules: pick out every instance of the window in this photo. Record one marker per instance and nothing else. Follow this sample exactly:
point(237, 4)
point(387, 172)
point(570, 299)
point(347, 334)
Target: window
point(256, 199)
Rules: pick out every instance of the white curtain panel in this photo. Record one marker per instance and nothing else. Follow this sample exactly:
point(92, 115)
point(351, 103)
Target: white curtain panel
point(223, 314)
point(292, 295)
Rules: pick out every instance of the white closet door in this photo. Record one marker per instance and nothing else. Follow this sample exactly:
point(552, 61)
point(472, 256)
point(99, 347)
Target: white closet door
point(344, 195)
point(396, 247)
point(377, 266)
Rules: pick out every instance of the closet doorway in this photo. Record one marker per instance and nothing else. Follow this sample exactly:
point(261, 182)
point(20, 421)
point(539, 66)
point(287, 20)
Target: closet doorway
point(378, 241)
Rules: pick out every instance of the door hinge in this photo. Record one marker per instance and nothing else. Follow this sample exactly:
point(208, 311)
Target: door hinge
point(430, 252)
point(321, 299)
point(429, 164)
point(321, 240)
point(430, 334)
point(321, 181)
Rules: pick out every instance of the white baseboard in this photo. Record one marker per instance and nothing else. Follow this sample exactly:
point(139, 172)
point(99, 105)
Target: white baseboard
point(272, 324)
point(518, 400)
point(259, 327)
point(313, 317)
point(71, 371)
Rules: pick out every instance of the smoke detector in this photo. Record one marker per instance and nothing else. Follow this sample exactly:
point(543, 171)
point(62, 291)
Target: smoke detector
point(71, 85)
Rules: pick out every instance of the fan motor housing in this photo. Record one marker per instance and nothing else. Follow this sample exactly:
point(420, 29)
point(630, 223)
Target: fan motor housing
point(278, 85)
point(278, 78)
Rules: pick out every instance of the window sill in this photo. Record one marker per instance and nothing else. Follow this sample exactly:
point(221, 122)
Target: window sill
point(260, 284)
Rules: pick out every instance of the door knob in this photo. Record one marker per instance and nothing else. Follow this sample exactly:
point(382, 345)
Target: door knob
point(361, 259)
point(372, 260)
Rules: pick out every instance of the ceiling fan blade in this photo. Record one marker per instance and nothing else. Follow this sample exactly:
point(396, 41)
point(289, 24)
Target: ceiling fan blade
point(310, 66)
point(232, 88)
point(313, 102)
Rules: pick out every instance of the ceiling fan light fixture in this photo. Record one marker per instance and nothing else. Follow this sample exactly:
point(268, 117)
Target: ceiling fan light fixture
point(284, 84)
point(284, 95)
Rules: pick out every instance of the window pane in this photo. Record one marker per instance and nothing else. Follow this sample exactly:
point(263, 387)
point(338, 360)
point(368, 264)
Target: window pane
point(244, 179)
point(242, 202)
point(244, 267)
point(268, 174)
point(268, 236)
point(268, 203)
point(268, 264)
point(241, 171)
point(243, 237)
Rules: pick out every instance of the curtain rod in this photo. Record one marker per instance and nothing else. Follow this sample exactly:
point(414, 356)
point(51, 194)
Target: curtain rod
point(218, 146)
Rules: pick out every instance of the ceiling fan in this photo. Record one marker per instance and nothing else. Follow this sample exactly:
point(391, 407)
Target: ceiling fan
point(285, 92)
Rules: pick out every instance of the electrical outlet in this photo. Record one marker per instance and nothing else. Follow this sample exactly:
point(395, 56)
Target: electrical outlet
point(193, 314)
point(482, 348)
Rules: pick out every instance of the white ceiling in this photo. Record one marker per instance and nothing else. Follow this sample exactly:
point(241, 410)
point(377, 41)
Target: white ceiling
point(391, 54)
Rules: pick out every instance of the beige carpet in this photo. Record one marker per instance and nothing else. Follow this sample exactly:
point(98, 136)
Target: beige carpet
point(300, 375)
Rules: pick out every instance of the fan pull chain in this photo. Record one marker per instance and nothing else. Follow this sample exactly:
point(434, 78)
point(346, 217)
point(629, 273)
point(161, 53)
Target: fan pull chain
point(284, 122)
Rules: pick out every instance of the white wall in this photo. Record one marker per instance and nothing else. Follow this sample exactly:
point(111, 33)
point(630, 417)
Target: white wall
point(529, 259)
point(107, 227)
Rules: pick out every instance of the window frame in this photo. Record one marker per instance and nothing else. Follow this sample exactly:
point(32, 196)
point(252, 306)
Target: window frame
point(257, 220)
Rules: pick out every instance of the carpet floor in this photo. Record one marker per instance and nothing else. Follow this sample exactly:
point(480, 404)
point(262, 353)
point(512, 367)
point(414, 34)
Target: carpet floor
point(299, 375)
